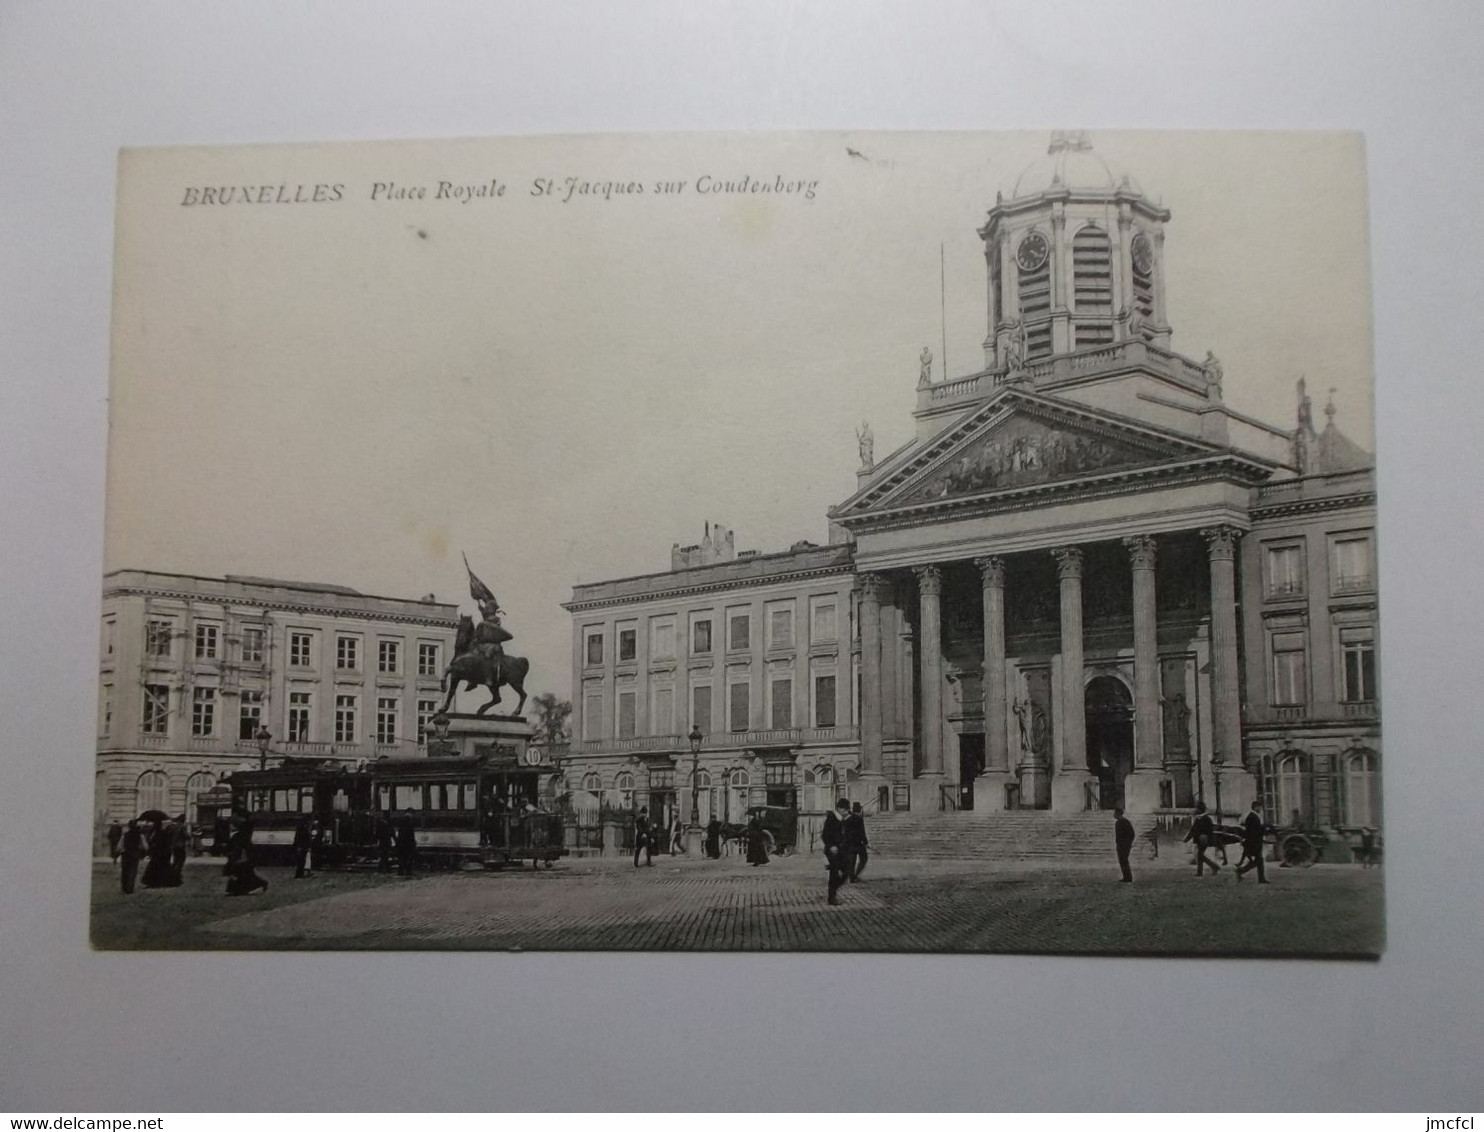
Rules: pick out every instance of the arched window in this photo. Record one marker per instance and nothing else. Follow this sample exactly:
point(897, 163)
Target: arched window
point(1033, 269)
point(592, 782)
point(735, 805)
point(818, 793)
point(196, 785)
point(1362, 797)
point(624, 784)
point(100, 794)
point(1293, 789)
point(1092, 285)
point(706, 801)
point(151, 792)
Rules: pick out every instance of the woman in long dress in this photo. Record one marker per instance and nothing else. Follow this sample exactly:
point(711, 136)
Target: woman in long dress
point(757, 842)
point(159, 873)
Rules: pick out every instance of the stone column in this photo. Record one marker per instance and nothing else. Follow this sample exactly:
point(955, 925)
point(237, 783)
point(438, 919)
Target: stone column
point(996, 751)
point(1073, 703)
point(872, 586)
point(1226, 706)
point(930, 653)
point(1148, 736)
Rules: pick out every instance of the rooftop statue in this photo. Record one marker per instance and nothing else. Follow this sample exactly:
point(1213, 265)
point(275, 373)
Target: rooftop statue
point(866, 444)
point(925, 368)
point(479, 658)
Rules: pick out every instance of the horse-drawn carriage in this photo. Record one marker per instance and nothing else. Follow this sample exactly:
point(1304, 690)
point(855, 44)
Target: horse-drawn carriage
point(1296, 846)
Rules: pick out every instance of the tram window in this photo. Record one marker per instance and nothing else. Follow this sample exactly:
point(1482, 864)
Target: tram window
point(281, 801)
point(410, 797)
point(259, 800)
point(470, 795)
point(384, 797)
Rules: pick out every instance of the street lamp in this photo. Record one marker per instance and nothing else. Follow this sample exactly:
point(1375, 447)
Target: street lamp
point(440, 729)
point(264, 737)
point(695, 738)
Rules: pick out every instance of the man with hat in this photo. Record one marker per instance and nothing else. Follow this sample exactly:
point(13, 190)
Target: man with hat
point(838, 859)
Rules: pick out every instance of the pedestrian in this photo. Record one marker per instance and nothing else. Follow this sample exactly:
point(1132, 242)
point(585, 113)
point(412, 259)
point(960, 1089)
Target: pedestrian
point(838, 857)
point(1253, 829)
point(115, 835)
point(855, 836)
point(406, 843)
point(1367, 852)
point(757, 841)
point(713, 839)
point(1202, 831)
point(643, 837)
point(384, 842)
point(303, 844)
point(677, 835)
point(158, 873)
point(242, 877)
point(180, 847)
point(1123, 841)
point(131, 849)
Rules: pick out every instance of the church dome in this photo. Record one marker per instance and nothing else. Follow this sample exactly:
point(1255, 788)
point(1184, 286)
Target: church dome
point(1071, 164)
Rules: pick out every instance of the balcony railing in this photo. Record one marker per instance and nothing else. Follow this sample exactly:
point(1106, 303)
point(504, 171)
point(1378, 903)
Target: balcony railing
point(765, 737)
point(1360, 709)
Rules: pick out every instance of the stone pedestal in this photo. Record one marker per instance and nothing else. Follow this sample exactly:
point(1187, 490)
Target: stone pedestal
point(505, 736)
point(1141, 791)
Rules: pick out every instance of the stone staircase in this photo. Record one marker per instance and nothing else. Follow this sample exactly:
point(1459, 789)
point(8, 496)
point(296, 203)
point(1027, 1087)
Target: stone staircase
point(994, 835)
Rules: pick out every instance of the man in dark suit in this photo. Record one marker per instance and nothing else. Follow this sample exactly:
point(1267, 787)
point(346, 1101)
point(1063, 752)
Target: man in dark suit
point(384, 842)
point(1253, 828)
point(303, 843)
point(837, 858)
point(856, 854)
point(643, 837)
point(1123, 840)
point(132, 851)
point(1202, 832)
point(406, 843)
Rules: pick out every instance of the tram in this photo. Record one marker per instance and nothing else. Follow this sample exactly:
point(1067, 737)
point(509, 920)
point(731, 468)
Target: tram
point(481, 809)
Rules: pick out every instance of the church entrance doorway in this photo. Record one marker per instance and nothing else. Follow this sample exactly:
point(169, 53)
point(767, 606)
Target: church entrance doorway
point(1110, 738)
point(970, 767)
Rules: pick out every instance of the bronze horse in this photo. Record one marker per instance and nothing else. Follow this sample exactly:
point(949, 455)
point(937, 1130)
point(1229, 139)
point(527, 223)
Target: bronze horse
point(475, 669)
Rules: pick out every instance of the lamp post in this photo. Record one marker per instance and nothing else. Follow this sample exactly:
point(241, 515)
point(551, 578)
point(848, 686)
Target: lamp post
point(264, 737)
point(440, 723)
point(695, 738)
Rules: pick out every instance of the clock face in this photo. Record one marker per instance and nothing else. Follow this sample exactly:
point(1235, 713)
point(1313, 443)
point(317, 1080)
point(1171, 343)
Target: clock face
point(1143, 254)
point(1032, 252)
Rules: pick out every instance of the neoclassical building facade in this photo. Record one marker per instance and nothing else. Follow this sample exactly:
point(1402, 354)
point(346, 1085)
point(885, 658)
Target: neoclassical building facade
point(1086, 581)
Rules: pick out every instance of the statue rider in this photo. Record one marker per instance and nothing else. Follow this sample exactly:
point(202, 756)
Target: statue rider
point(489, 635)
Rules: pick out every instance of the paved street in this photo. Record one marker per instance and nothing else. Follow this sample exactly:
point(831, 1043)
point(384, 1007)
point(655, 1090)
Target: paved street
point(724, 905)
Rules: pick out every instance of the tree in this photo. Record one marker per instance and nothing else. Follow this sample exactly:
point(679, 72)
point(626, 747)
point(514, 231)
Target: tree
point(552, 719)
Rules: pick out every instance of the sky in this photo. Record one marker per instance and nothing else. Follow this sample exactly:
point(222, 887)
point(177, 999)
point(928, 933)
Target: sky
point(357, 390)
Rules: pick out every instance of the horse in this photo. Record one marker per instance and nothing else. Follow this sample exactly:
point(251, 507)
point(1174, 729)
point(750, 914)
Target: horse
point(474, 670)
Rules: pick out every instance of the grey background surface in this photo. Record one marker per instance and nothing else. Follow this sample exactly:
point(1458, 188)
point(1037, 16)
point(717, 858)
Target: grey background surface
point(80, 1031)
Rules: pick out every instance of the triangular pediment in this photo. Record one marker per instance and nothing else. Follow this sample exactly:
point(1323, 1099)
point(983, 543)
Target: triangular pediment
point(1019, 441)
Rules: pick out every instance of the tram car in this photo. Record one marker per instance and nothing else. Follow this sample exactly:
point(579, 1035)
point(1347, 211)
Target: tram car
point(481, 809)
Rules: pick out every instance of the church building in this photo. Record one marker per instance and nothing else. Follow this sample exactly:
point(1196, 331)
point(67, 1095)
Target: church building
point(1086, 582)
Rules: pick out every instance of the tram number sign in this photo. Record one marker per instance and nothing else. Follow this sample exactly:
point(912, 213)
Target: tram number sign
point(532, 756)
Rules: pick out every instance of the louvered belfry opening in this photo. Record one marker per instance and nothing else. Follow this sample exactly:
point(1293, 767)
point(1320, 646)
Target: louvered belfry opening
point(1035, 307)
point(1092, 287)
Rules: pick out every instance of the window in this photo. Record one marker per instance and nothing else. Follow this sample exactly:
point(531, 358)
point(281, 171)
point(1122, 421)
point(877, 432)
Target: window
point(661, 778)
point(196, 785)
point(1288, 669)
point(662, 719)
point(1293, 789)
point(156, 717)
point(700, 708)
point(1285, 571)
point(626, 708)
point(700, 636)
point(705, 796)
point(823, 616)
point(1143, 279)
point(781, 692)
point(1358, 648)
point(249, 714)
point(299, 705)
point(426, 710)
point(299, 655)
point(348, 653)
point(739, 631)
point(778, 774)
point(781, 628)
point(661, 639)
point(108, 628)
point(252, 645)
point(389, 657)
point(386, 719)
point(151, 791)
point(736, 796)
point(1362, 800)
point(595, 647)
point(427, 659)
point(738, 706)
point(624, 784)
point(203, 712)
point(206, 637)
point(105, 711)
point(345, 719)
point(628, 643)
point(592, 717)
point(157, 638)
point(824, 701)
point(409, 796)
point(592, 782)
point(1352, 565)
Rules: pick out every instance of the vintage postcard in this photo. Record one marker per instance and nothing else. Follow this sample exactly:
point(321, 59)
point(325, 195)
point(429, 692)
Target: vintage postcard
point(856, 542)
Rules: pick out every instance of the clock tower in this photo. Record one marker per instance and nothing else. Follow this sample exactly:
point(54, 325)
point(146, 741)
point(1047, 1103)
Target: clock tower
point(1075, 259)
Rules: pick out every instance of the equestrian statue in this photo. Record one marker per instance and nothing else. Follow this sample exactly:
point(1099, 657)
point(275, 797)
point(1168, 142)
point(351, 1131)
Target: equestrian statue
point(479, 659)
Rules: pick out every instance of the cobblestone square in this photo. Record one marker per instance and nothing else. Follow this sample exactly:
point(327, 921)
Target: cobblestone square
point(685, 904)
